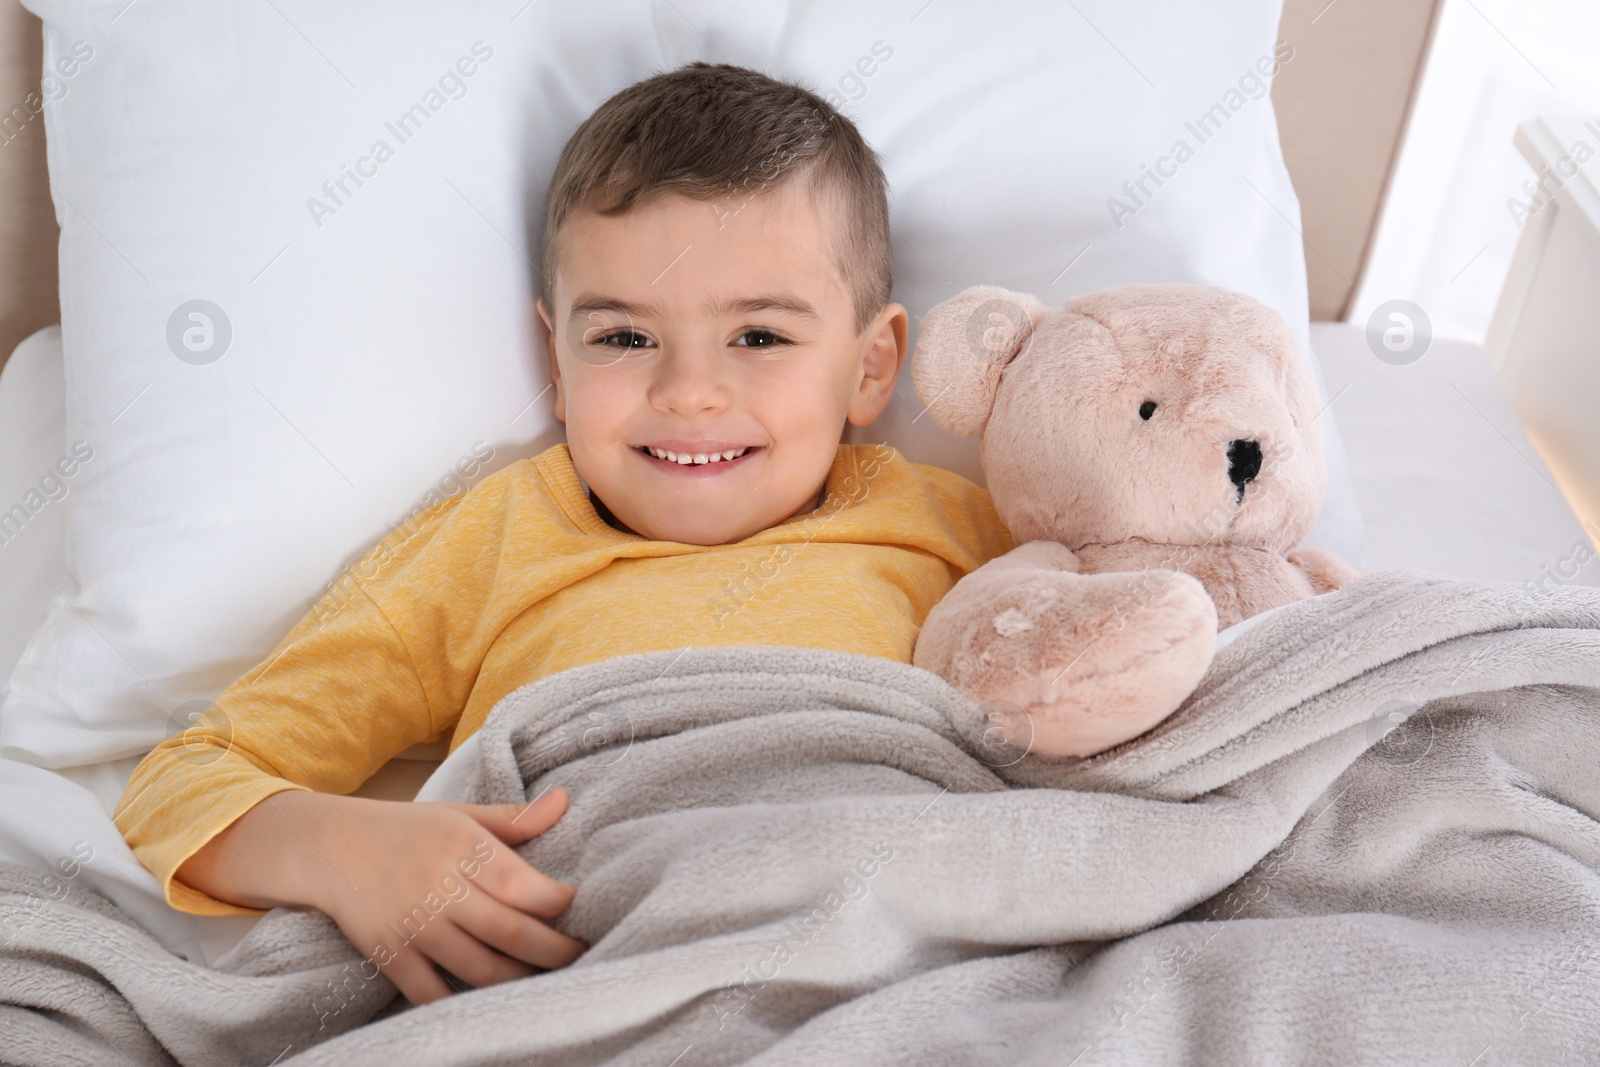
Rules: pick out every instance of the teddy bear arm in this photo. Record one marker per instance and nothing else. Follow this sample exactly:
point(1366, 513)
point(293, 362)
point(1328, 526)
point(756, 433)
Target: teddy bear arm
point(958, 630)
point(1325, 570)
point(944, 644)
point(1036, 556)
point(965, 618)
point(1085, 662)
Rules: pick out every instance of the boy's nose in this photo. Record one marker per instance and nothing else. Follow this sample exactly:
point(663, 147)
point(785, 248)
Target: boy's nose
point(688, 383)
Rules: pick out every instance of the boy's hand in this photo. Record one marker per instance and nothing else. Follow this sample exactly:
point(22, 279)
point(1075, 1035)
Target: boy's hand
point(418, 884)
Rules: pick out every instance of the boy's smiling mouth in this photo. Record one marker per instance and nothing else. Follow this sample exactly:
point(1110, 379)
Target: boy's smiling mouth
point(717, 456)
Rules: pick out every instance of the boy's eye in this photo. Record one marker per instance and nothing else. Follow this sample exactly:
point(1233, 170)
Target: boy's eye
point(757, 337)
point(624, 339)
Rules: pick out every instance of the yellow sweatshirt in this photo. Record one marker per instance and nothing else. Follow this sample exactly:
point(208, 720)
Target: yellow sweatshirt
point(520, 578)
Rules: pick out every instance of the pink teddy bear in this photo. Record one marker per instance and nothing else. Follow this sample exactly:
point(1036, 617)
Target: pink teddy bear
point(1155, 451)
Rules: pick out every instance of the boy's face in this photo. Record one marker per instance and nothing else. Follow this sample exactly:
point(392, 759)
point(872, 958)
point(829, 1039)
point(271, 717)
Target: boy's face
point(703, 327)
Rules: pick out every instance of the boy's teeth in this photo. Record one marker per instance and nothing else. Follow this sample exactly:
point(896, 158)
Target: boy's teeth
point(692, 458)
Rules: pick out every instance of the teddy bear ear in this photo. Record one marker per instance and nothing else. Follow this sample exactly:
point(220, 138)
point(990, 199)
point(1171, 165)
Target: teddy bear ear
point(963, 346)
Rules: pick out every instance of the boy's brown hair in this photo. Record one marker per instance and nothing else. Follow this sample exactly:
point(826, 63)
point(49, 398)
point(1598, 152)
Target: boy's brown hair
point(716, 130)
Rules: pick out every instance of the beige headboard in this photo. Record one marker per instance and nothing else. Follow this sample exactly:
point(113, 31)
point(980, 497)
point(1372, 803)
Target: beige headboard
point(1342, 101)
point(27, 217)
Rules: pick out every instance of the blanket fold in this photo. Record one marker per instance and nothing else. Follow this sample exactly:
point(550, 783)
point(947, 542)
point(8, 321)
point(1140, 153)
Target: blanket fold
point(1369, 836)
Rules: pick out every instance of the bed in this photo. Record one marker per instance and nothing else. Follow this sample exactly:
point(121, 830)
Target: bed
point(1442, 474)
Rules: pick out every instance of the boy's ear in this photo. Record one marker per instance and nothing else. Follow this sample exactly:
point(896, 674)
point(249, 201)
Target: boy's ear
point(880, 364)
point(542, 314)
point(963, 347)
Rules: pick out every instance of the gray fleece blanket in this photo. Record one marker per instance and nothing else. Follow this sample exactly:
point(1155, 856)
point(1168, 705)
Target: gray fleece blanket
point(1369, 837)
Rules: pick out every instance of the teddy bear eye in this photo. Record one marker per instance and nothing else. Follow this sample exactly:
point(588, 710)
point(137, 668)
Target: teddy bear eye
point(1147, 409)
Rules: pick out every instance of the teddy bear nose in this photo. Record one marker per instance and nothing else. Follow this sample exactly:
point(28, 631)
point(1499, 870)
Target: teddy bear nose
point(1244, 462)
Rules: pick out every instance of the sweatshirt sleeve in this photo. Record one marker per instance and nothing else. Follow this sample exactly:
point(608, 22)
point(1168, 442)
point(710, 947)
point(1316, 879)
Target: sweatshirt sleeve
point(339, 696)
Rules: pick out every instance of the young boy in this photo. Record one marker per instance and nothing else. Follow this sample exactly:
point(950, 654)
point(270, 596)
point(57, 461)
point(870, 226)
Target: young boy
point(716, 301)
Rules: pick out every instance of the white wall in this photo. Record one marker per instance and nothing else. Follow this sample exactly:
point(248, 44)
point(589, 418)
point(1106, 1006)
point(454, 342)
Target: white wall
point(1446, 234)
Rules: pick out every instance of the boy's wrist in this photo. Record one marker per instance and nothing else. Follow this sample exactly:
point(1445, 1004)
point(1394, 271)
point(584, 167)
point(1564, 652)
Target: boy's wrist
point(305, 818)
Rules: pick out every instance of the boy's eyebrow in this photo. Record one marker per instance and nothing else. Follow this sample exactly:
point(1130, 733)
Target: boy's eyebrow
point(767, 302)
point(590, 304)
point(748, 305)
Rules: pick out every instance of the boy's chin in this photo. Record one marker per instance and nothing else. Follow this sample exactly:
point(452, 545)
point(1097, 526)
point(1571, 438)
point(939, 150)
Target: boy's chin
point(695, 530)
point(704, 526)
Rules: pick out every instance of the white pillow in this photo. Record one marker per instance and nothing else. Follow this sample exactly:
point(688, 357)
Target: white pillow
point(377, 301)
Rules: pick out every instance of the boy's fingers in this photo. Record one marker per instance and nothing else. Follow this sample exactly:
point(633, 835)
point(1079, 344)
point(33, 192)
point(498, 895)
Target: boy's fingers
point(536, 817)
point(519, 822)
point(413, 974)
point(518, 935)
point(503, 874)
point(470, 959)
point(508, 878)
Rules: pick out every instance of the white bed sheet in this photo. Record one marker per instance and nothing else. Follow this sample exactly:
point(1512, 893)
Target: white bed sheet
point(47, 818)
point(1446, 479)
